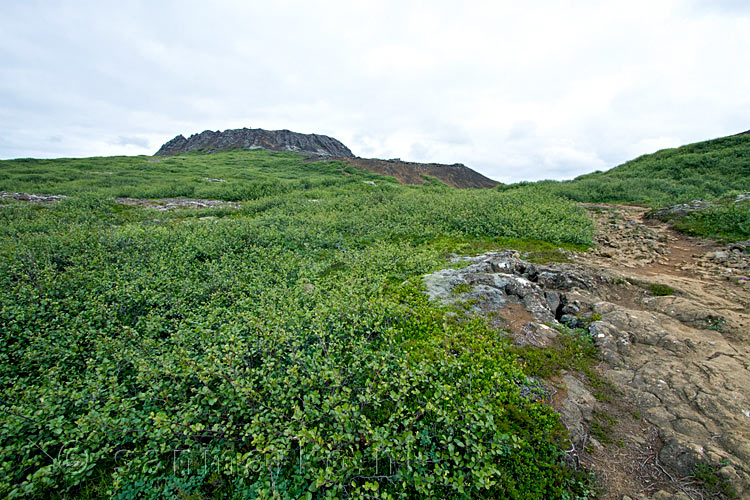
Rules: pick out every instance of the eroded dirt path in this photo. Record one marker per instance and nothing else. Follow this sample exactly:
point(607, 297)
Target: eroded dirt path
point(682, 360)
point(716, 276)
point(669, 315)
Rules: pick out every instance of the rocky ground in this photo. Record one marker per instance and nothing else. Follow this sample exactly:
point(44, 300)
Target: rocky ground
point(406, 172)
point(34, 198)
point(670, 316)
point(165, 204)
point(160, 204)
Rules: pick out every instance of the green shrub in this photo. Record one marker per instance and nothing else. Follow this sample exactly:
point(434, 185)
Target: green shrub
point(660, 290)
point(729, 221)
point(708, 478)
point(706, 170)
point(275, 351)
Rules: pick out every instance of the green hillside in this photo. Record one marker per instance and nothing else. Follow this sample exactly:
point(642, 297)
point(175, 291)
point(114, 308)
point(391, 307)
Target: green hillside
point(281, 349)
point(716, 170)
point(243, 175)
point(279, 345)
point(706, 170)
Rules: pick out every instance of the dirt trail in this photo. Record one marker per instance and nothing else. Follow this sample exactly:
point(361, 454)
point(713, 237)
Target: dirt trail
point(715, 275)
point(681, 360)
point(669, 315)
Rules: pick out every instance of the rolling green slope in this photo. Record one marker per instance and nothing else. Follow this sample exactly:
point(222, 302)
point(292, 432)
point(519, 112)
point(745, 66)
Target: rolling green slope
point(277, 348)
point(226, 175)
point(706, 170)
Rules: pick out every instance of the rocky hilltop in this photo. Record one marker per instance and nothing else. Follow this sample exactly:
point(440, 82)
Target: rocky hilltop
point(257, 138)
point(457, 175)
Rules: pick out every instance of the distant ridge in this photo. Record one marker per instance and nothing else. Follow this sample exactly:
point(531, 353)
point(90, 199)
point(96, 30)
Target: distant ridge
point(456, 175)
point(257, 138)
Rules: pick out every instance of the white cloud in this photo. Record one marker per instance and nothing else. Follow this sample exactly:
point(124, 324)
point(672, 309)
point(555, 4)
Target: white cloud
point(139, 142)
point(514, 90)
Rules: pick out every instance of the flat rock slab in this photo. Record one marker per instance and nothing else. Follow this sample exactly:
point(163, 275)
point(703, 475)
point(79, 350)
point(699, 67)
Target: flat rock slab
point(165, 204)
point(33, 198)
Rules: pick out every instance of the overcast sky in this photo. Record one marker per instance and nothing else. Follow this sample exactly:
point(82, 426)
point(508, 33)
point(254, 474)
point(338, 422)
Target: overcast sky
point(516, 90)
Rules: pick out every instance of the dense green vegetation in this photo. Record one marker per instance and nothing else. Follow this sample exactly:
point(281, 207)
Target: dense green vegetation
point(707, 476)
point(707, 170)
point(712, 170)
point(726, 221)
point(281, 350)
point(249, 175)
point(285, 349)
point(573, 350)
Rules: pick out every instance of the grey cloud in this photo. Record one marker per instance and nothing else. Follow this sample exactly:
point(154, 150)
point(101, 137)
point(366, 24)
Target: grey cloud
point(418, 152)
point(499, 88)
point(522, 130)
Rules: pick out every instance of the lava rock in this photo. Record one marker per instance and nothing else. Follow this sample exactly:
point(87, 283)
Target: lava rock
point(248, 138)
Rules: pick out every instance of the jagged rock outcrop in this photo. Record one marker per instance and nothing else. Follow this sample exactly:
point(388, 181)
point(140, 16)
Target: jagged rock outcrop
point(529, 295)
point(167, 204)
point(256, 138)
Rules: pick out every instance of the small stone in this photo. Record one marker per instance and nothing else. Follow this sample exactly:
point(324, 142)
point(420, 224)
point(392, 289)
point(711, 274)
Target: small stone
point(721, 255)
point(570, 309)
point(665, 495)
point(553, 300)
point(637, 439)
point(569, 320)
point(595, 444)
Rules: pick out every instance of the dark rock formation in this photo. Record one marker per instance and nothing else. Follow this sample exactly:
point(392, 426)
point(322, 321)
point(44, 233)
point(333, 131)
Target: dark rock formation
point(249, 138)
point(503, 281)
point(681, 210)
point(322, 146)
